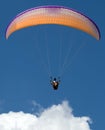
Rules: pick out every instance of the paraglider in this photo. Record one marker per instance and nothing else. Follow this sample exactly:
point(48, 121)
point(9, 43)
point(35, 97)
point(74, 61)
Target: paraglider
point(58, 15)
point(55, 83)
point(53, 15)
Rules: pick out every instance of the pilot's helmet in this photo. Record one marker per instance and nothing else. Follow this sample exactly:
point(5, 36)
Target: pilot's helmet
point(54, 79)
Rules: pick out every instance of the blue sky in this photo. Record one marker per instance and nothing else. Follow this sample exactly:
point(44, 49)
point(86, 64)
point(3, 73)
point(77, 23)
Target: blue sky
point(23, 78)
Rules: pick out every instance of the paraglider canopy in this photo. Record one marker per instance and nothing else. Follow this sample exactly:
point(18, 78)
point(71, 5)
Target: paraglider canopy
point(53, 15)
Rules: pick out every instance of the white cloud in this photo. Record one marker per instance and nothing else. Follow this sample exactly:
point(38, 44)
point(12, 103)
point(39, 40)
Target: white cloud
point(56, 117)
point(36, 107)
